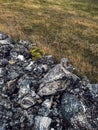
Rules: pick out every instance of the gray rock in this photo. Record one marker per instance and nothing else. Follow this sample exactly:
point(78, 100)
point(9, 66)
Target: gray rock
point(55, 80)
point(23, 90)
point(24, 84)
point(4, 51)
point(4, 62)
point(30, 118)
point(66, 64)
point(11, 86)
point(45, 108)
point(19, 52)
point(3, 36)
point(53, 87)
point(13, 75)
point(30, 66)
point(21, 57)
point(80, 121)
point(47, 103)
point(2, 128)
point(2, 72)
point(74, 111)
point(45, 67)
point(37, 71)
point(13, 55)
point(85, 81)
point(26, 44)
point(5, 41)
point(51, 82)
point(70, 106)
point(27, 101)
point(42, 123)
point(27, 97)
point(1, 81)
point(93, 90)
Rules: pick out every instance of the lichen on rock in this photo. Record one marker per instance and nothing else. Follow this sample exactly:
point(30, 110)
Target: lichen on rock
point(36, 53)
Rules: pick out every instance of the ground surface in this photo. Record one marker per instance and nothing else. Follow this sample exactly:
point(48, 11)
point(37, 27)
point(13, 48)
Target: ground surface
point(63, 28)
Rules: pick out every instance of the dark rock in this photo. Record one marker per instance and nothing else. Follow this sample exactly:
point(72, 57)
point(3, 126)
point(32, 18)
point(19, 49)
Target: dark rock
point(37, 71)
point(11, 86)
point(20, 51)
point(1, 81)
point(4, 62)
point(4, 51)
point(3, 72)
point(3, 36)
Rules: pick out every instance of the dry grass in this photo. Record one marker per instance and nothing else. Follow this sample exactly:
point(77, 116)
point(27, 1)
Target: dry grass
point(63, 28)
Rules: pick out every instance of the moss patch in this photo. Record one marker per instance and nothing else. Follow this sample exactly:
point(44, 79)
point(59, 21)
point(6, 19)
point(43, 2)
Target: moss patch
point(36, 53)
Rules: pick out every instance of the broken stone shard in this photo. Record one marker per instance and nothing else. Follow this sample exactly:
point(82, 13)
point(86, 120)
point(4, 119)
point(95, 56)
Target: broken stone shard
point(45, 108)
point(30, 66)
point(42, 123)
point(21, 57)
point(11, 86)
point(27, 101)
point(57, 79)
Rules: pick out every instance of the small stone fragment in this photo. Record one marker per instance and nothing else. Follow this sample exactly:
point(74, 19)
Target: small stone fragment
point(42, 123)
point(27, 101)
point(30, 66)
point(45, 108)
point(21, 57)
point(11, 86)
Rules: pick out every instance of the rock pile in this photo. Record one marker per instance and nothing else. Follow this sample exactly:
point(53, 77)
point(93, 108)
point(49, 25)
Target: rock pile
point(43, 95)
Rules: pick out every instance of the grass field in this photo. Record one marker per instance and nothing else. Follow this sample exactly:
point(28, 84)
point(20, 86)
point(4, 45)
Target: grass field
point(63, 28)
